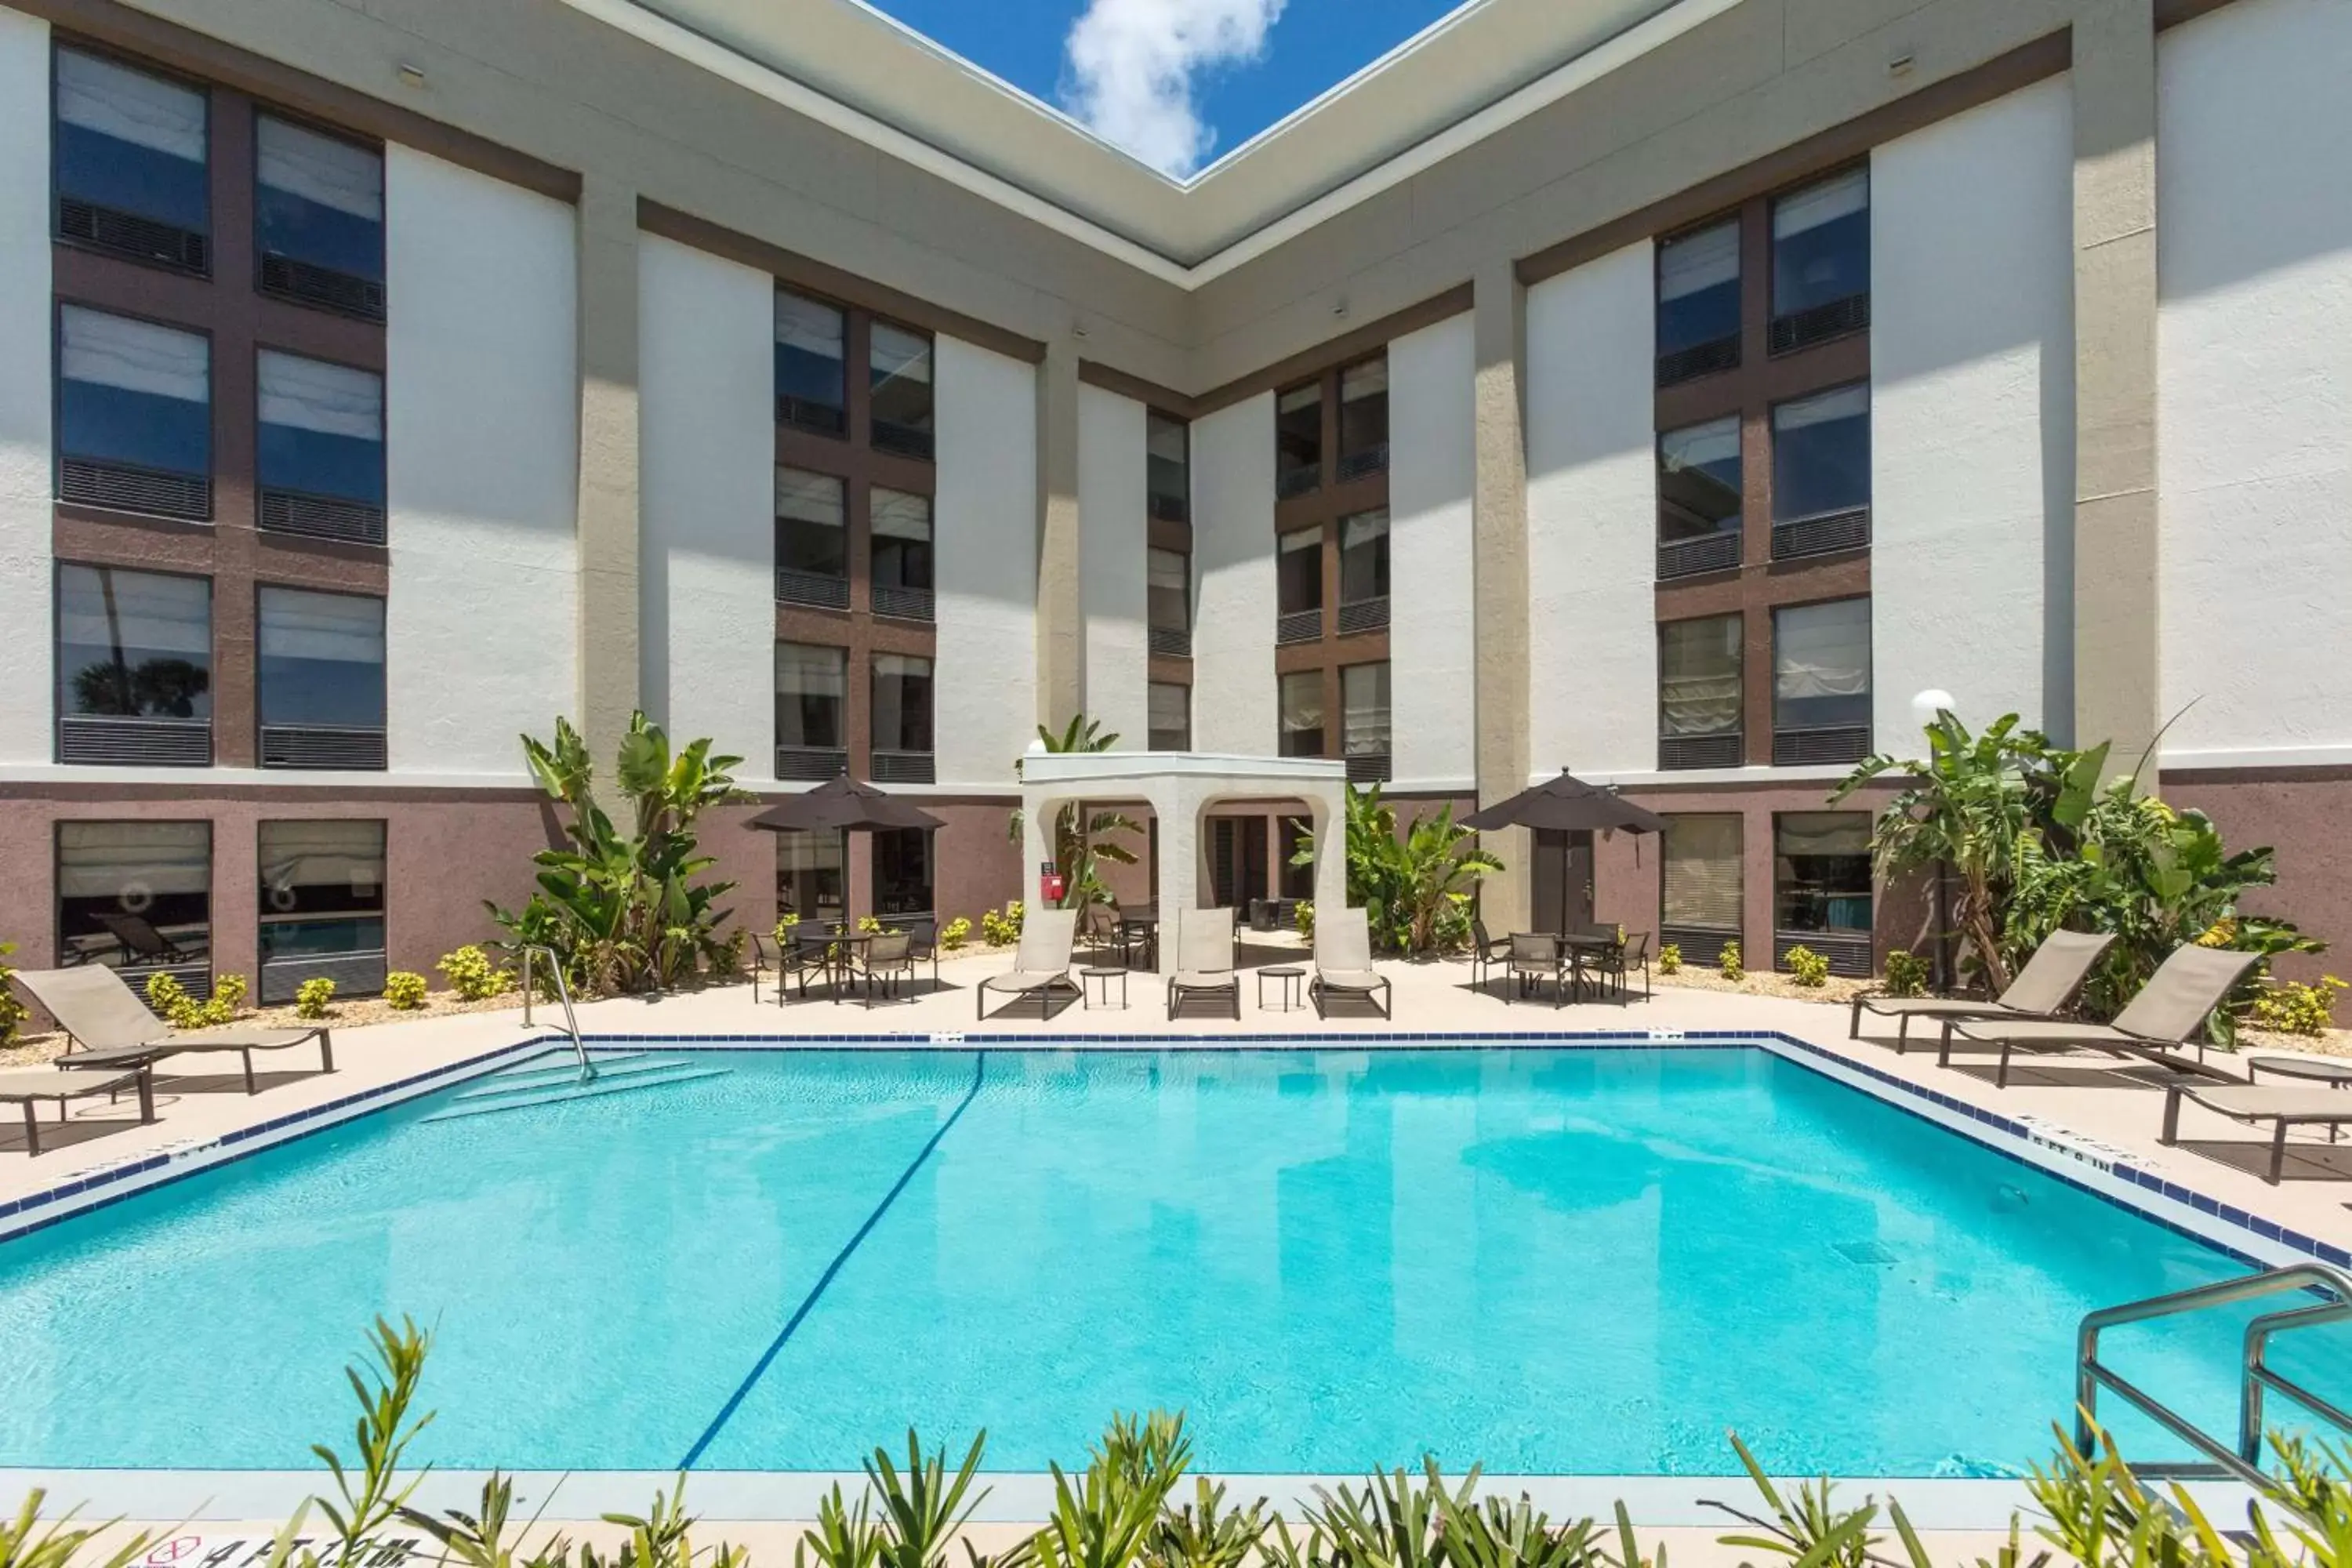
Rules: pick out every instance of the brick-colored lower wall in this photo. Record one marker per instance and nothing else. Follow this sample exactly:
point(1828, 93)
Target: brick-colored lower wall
point(2303, 814)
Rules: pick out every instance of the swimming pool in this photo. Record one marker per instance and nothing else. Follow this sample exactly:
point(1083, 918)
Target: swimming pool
point(1564, 1260)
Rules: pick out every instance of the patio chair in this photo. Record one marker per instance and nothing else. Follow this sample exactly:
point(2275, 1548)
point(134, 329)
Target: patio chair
point(109, 1027)
point(1204, 960)
point(2281, 1105)
point(26, 1086)
point(1040, 964)
point(1537, 956)
point(1618, 960)
point(1488, 953)
point(1343, 962)
point(2169, 1008)
point(888, 957)
point(762, 961)
point(2047, 983)
point(923, 945)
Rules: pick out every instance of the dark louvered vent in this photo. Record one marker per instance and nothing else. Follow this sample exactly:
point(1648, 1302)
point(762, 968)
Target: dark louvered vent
point(125, 487)
point(1699, 359)
point(1364, 616)
point(1822, 743)
point(1699, 750)
point(1820, 324)
point(342, 748)
point(1299, 626)
point(1171, 508)
point(321, 517)
point(811, 588)
point(806, 413)
point(812, 763)
point(1370, 460)
point(139, 238)
point(903, 604)
point(283, 278)
point(1825, 535)
point(1848, 952)
point(905, 440)
point(354, 974)
point(1690, 557)
point(1171, 642)
point(903, 767)
point(1368, 767)
point(102, 741)
point(1701, 946)
point(1298, 481)
point(195, 979)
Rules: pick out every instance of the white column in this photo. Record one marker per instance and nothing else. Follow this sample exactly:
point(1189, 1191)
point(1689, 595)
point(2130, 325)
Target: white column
point(26, 681)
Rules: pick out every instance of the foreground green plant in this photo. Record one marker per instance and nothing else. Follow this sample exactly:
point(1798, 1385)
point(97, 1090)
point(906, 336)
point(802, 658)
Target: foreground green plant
point(169, 1000)
point(312, 997)
point(1906, 974)
point(1669, 958)
point(2291, 1007)
point(1002, 929)
point(472, 975)
point(955, 934)
point(30, 1541)
point(1304, 914)
point(1414, 887)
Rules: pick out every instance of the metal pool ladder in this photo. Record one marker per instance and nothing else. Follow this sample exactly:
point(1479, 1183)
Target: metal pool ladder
point(2332, 1285)
point(562, 994)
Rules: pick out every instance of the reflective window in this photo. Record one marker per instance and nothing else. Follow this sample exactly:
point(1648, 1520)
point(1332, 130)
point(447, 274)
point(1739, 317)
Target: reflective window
point(322, 428)
point(1698, 676)
point(1701, 876)
point(899, 367)
point(812, 535)
point(133, 643)
point(1821, 665)
point(132, 393)
point(1821, 872)
point(1698, 480)
point(812, 696)
point(1821, 453)
point(1698, 290)
point(321, 889)
point(1168, 467)
point(1298, 571)
point(1301, 695)
point(1364, 557)
point(1364, 418)
point(319, 202)
point(902, 872)
point(1168, 575)
point(902, 703)
point(1820, 244)
point(1171, 717)
point(902, 538)
point(133, 143)
point(810, 879)
point(1298, 439)
point(1364, 709)
point(134, 895)
point(812, 377)
point(321, 659)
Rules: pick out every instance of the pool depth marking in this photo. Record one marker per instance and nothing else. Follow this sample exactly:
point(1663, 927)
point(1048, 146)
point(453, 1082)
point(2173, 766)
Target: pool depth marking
point(809, 1301)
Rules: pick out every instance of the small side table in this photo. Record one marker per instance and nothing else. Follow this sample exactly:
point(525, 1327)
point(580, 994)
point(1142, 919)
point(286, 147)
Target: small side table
point(2334, 1075)
point(1290, 974)
point(1085, 988)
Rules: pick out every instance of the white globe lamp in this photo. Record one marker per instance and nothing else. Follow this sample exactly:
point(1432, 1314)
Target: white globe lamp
point(1928, 704)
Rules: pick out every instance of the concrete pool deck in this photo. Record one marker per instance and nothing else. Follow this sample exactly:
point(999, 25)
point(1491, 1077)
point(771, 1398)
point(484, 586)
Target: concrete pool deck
point(2096, 1102)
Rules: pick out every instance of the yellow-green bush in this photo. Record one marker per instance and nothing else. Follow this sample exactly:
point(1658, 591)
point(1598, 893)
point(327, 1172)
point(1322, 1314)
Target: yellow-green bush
point(312, 996)
point(2291, 1007)
point(1670, 959)
point(1906, 974)
point(13, 1012)
point(1305, 918)
point(473, 977)
point(1808, 968)
point(170, 1000)
point(1002, 929)
point(956, 932)
point(1728, 964)
point(405, 989)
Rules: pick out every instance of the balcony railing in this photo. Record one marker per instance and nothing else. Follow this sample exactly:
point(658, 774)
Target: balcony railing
point(817, 588)
point(128, 234)
point(808, 413)
point(127, 486)
point(1364, 616)
point(1305, 480)
point(1299, 625)
point(1723, 750)
point(904, 440)
point(903, 604)
point(307, 283)
point(1699, 359)
point(1172, 642)
point(904, 767)
point(93, 739)
point(1370, 460)
point(1368, 767)
point(1693, 557)
point(1848, 951)
point(1828, 534)
point(1803, 329)
point(351, 747)
point(1820, 743)
point(811, 763)
point(321, 517)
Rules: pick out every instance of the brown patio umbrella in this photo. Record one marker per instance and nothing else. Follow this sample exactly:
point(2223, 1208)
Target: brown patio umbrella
point(844, 803)
point(1568, 805)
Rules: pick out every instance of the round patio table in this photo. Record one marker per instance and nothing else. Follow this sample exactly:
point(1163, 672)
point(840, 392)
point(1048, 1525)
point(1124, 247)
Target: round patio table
point(2334, 1075)
point(835, 952)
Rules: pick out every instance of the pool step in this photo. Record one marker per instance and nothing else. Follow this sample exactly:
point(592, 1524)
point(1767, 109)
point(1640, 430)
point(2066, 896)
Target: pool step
point(559, 1072)
point(551, 1087)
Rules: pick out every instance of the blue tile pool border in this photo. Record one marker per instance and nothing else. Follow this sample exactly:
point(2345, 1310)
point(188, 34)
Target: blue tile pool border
point(2016, 1140)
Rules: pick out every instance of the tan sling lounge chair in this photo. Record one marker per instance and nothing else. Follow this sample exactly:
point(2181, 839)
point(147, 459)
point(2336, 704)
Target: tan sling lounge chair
point(2047, 983)
point(1040, 964)
point(2281, 1105)
point(111, 1027)
point(2169, 1009)
point(1204, 959)
point(27, 1085)
point(1343, 962)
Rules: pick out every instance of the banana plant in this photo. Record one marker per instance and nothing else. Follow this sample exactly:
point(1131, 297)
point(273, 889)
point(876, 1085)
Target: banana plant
point(1080, 850)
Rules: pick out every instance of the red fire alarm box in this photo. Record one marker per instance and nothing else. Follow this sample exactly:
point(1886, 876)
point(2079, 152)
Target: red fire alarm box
point(1050, 886)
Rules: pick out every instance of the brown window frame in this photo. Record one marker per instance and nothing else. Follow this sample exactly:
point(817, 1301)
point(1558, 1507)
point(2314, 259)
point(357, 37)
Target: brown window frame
point(1360, 638)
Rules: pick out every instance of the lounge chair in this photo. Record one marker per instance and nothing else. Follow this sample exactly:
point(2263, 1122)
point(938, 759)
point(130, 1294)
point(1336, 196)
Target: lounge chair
point(2047, 983)
point(27, 1085)
point(1204, 959)
point(1538, 956)
point(1343, 962)
point(2281, 1105)
point(141, 942)
point(1040, 965)
point(2169, 1009)
point(109, 1027)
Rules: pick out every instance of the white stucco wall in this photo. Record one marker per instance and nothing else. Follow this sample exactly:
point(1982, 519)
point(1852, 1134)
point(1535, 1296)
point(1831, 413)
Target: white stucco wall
point(1593, 520)
point(1233, 703)
point(481, 416)
point(1431, 638)
point(984, 522)
point(2255, 384)
point(1113, 533)
point(706, 379)
point(1971, 363)
point(26, 678)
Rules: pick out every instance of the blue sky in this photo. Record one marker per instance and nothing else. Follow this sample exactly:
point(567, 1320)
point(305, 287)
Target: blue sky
point(1177, 82)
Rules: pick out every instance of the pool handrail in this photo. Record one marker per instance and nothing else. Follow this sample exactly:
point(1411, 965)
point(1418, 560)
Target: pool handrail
point(2256, 1375)
point(562, 994)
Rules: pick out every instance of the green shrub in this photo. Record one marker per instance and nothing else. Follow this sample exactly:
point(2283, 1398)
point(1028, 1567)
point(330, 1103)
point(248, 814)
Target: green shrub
point(170, 1000)
point(1808, 968)
point(955, 933)
point(405, 989)
point(473, 977)
point(13, 1012)
point(2291, 1007)
point(871, 925)
point(1728, 964)
point(786, 924)
point(311, 997)
point(1906, 974)
point(1002, 929)
point(723, 959)
point(1305, 918)
point(1670, 959)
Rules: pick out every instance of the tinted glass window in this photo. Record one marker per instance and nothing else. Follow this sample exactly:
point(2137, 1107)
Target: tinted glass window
point(133, 393)
point(1821, 665)
point(810, 378)
point(1167, 476)
point(902, 872)
point(133, 643)
point(1702, 872)
point(1821, 872)
point(1698, 676)
point(902, 538)
point(811, 519)
point(321, 658)
point(1302, 713)
point(1364, 557)
point(1298, 437)
point(1298, 571)
point(1820, 243)
point(1698, 287)
point(1364, 709)
point(1171, 717)
point(319, 199)
point(322, 428)
point(1169, 583)
point(899, 363)
point(1364, 409)
point(1821, 453)
point(134, 895)
point(812, 696)
point(902, 703)
point(130, 141)
point(321, 889)
point(810, 880)
point(1698, 480)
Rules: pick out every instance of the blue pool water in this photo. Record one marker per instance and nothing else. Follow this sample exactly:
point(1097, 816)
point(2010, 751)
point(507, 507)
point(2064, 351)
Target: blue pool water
point(1566, 1260)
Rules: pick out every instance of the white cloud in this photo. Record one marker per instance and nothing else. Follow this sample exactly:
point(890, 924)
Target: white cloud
point(1132, 64)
